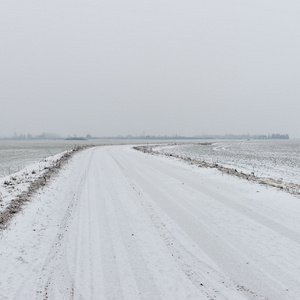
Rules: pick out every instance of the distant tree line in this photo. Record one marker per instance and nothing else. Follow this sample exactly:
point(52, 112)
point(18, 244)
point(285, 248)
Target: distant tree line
point(273, 136)
point(54, 136)
point(42, 136)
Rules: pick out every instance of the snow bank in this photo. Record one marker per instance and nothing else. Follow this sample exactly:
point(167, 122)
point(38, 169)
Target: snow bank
point(16, 189)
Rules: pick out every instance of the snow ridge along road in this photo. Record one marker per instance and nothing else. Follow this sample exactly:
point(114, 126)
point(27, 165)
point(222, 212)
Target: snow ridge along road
point(121, 224)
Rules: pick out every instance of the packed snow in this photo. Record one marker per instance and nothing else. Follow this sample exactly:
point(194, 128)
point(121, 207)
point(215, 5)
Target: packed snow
point(116, 223)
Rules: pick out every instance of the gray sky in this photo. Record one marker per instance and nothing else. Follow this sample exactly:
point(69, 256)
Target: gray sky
point(164, 67)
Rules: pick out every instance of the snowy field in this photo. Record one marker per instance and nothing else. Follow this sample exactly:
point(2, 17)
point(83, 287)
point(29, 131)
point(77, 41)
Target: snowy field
point(120, 224)
point(15, 155)
point(278, 159)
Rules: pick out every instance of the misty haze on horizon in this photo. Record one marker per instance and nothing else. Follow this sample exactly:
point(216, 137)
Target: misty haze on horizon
point(109, 68)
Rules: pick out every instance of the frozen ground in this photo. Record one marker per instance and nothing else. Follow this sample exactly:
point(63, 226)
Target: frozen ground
point(120, 224)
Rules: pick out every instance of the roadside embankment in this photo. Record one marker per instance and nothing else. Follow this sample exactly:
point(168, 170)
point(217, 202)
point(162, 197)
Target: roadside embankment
point(17, 189)
point(289, 187)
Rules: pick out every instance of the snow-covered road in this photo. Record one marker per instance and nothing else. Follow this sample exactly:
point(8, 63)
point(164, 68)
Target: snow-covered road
point(120, 224)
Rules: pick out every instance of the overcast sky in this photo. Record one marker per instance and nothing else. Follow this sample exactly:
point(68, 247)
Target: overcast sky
point(188, 67)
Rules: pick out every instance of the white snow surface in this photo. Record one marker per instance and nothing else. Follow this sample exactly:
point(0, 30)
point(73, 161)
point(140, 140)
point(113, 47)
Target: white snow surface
point(120, 224)
point(20, 181)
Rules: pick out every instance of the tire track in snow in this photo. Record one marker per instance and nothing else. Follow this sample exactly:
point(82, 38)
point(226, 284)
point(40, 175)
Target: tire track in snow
point(176, 197)
point(265, 221)
point(93, 248)
point(55, 278)
point(203, 276)
point(123, 238)
point(146, 253)
point(78, 241)
point(105, 261)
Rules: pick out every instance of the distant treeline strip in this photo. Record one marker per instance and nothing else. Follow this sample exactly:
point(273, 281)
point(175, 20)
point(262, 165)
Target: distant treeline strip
point(44, 136)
